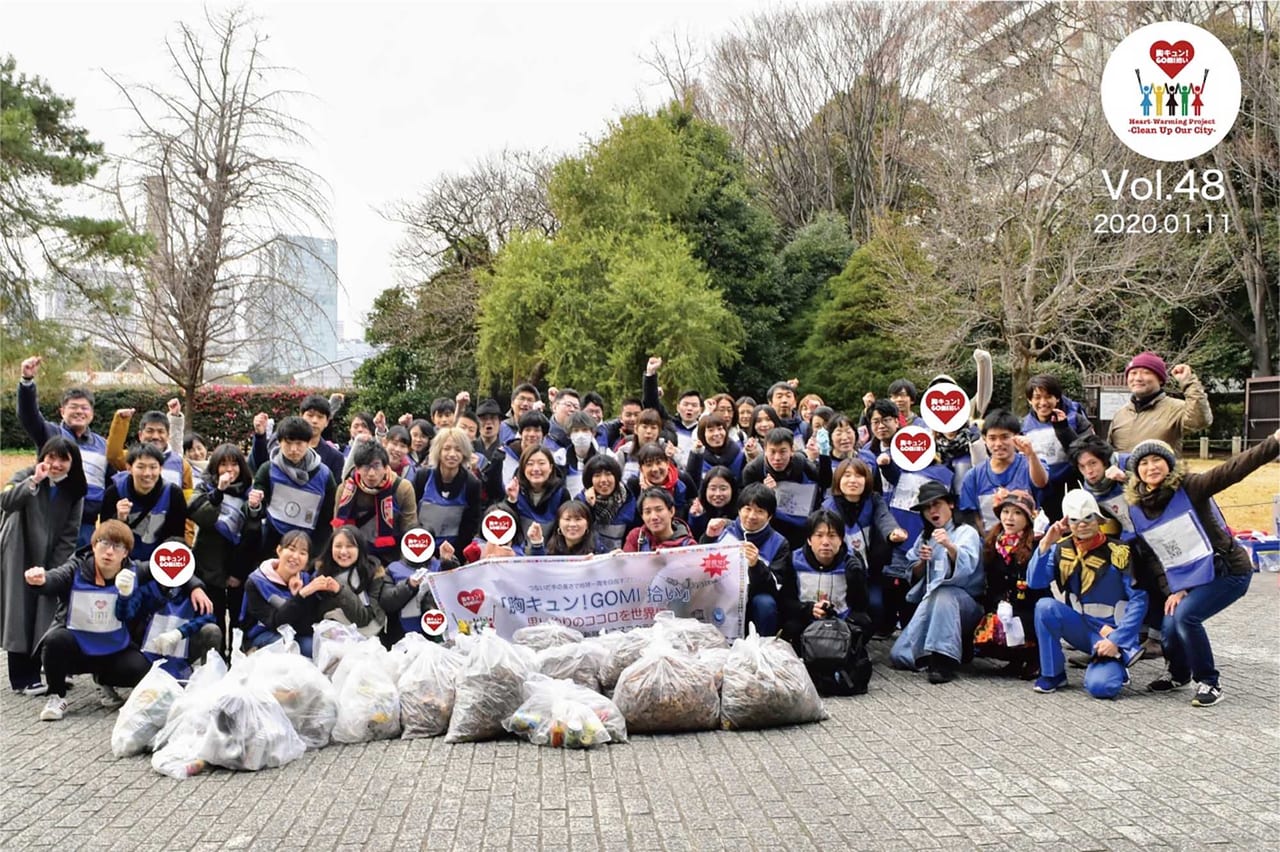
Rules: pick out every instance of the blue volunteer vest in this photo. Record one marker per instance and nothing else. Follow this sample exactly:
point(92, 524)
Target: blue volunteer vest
point(983, 482)
point(293, 506)
point(171, 470)
point(269, 591)
point(410, 615)
point(91, 618)
point(768, 541)
point(735, 463)
point(795, 499)
point(813, 582)
point(1115, 507)
point(1047, 446)
point(93, 456)
point(176, 612)
point(441, 515)
point(612, 535)
point(146, 530)
point(857, 535)
point(546, 516)
point(1178, 541)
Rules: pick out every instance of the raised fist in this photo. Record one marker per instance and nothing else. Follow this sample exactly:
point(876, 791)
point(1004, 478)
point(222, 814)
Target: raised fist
point(30, 366)
point(255, 497)
point(652, 367)
point(1181, 372)
point(125, 413)
point(125, 582)
point(260, 423)
point(535, 533)
point(123, 507)
point(175, 407)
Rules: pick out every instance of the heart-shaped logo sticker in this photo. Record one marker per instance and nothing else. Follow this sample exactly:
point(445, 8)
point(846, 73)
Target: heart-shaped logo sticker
point(498, 527)
point(172, 564)
point(434, 621)
point(912, 448)
point(472, 599)
point(1172, 58)
point(945, 407)
point(417, 546)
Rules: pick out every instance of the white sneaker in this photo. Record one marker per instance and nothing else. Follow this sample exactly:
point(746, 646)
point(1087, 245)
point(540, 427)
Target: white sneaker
point(54, 709)
point(109, 698)
point(37, 688)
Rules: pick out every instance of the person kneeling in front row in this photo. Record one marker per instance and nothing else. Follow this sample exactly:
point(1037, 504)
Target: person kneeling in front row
point(88, 632)
point(1103, 609)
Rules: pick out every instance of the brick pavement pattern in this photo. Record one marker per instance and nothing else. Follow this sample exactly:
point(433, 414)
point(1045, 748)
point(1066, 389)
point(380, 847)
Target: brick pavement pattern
point(980, 763)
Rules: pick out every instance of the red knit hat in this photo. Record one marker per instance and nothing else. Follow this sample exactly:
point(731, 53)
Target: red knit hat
point(1149, 361)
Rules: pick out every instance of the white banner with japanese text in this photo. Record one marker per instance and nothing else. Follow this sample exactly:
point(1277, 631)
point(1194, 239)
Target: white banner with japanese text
point(595, 593)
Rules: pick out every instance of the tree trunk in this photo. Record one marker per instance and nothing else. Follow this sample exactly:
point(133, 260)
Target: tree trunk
point(1021, 364)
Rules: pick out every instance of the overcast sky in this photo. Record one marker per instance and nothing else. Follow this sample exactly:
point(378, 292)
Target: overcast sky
point(402, 92)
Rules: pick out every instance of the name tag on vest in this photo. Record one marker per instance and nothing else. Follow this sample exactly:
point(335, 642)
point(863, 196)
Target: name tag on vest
point(162, 624)
point(795, 498)
point(1047, 446)
point(1177, 542)
point(92, 612)
point(294, 506)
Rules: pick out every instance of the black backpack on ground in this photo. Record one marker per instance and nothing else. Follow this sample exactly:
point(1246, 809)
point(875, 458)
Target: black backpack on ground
point(834, 651)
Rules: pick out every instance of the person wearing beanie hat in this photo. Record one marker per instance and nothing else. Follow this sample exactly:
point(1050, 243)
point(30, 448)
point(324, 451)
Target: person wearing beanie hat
point(1199, 566)
point(1151, 413)
point(1006, 555)
point(1101, 610)
point(946, 562)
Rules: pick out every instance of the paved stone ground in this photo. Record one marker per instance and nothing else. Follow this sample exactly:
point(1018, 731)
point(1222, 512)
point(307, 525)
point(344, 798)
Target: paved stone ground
point(983, 762)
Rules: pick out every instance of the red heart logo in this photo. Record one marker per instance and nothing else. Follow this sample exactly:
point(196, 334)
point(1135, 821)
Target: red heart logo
point(434, 620)
point(944, 405)
point(172, 561)
point(418, 543)
point(1172, 58)
point(100, 604)
point(472, 600)
point(499, 523)
point(911, 446)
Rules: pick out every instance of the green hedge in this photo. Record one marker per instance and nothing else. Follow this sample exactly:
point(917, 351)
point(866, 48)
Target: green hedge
point(220, 413)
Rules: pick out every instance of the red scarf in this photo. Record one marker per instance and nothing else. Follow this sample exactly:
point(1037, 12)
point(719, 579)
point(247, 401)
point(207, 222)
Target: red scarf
point(384, 514)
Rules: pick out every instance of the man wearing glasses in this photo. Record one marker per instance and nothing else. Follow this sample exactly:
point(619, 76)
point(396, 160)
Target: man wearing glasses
point(76, 412)
point(1102, 609)
point(379, 504)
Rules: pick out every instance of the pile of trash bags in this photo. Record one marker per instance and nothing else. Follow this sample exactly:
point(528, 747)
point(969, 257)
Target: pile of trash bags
point(550, 685)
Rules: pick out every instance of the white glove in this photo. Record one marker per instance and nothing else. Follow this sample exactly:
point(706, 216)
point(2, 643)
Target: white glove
point(125, 581)
point(167, 642)
point(421, 575)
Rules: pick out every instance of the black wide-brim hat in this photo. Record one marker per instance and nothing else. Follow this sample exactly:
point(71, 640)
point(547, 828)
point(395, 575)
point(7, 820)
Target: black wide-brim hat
point(930, 491)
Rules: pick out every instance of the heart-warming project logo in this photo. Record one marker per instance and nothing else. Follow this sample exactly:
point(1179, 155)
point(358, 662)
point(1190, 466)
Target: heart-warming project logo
point(417, 546)
point(433, 622)
point(173, 565)
point(472, 599)
point(912, 448)
point(945, 407)
point(1171, 91)
point(498, 527)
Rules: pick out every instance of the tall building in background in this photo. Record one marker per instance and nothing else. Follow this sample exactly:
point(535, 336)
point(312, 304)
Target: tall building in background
point(294, 320)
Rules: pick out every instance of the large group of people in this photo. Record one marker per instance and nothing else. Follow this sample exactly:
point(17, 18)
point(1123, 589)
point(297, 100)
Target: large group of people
point(1020, 535)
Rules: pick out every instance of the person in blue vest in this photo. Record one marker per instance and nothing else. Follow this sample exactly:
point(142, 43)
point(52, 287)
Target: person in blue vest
point(525, 399)
point(317, 411)
point(946, 561)
point(613, 509)
point(377, 502)
point(42, 511)
point(504, 462)
point(794, 481)
point(173, 625)
point(294, 490)
point(582, 447)
point(88, 634)
point(449, 492)
point(714, 449)
point(408, 596)
point(1102, 608)
point(767, 553)
point(1012, 465)
point(872, 531)
point(1200, 567)
point(782, 399)
point(660, 529)
point(76, 413)
point(565, 403)
point(153, 429)
point(658, 470)
point(573, 534)
point(227, 541)
point(900, 491)
point(717, 498)
point(688, 409)
point(282, 591)
point(1093, 458)
point(536, 493)
point(1052, 423)
point(828, 579)
point(151, 506)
